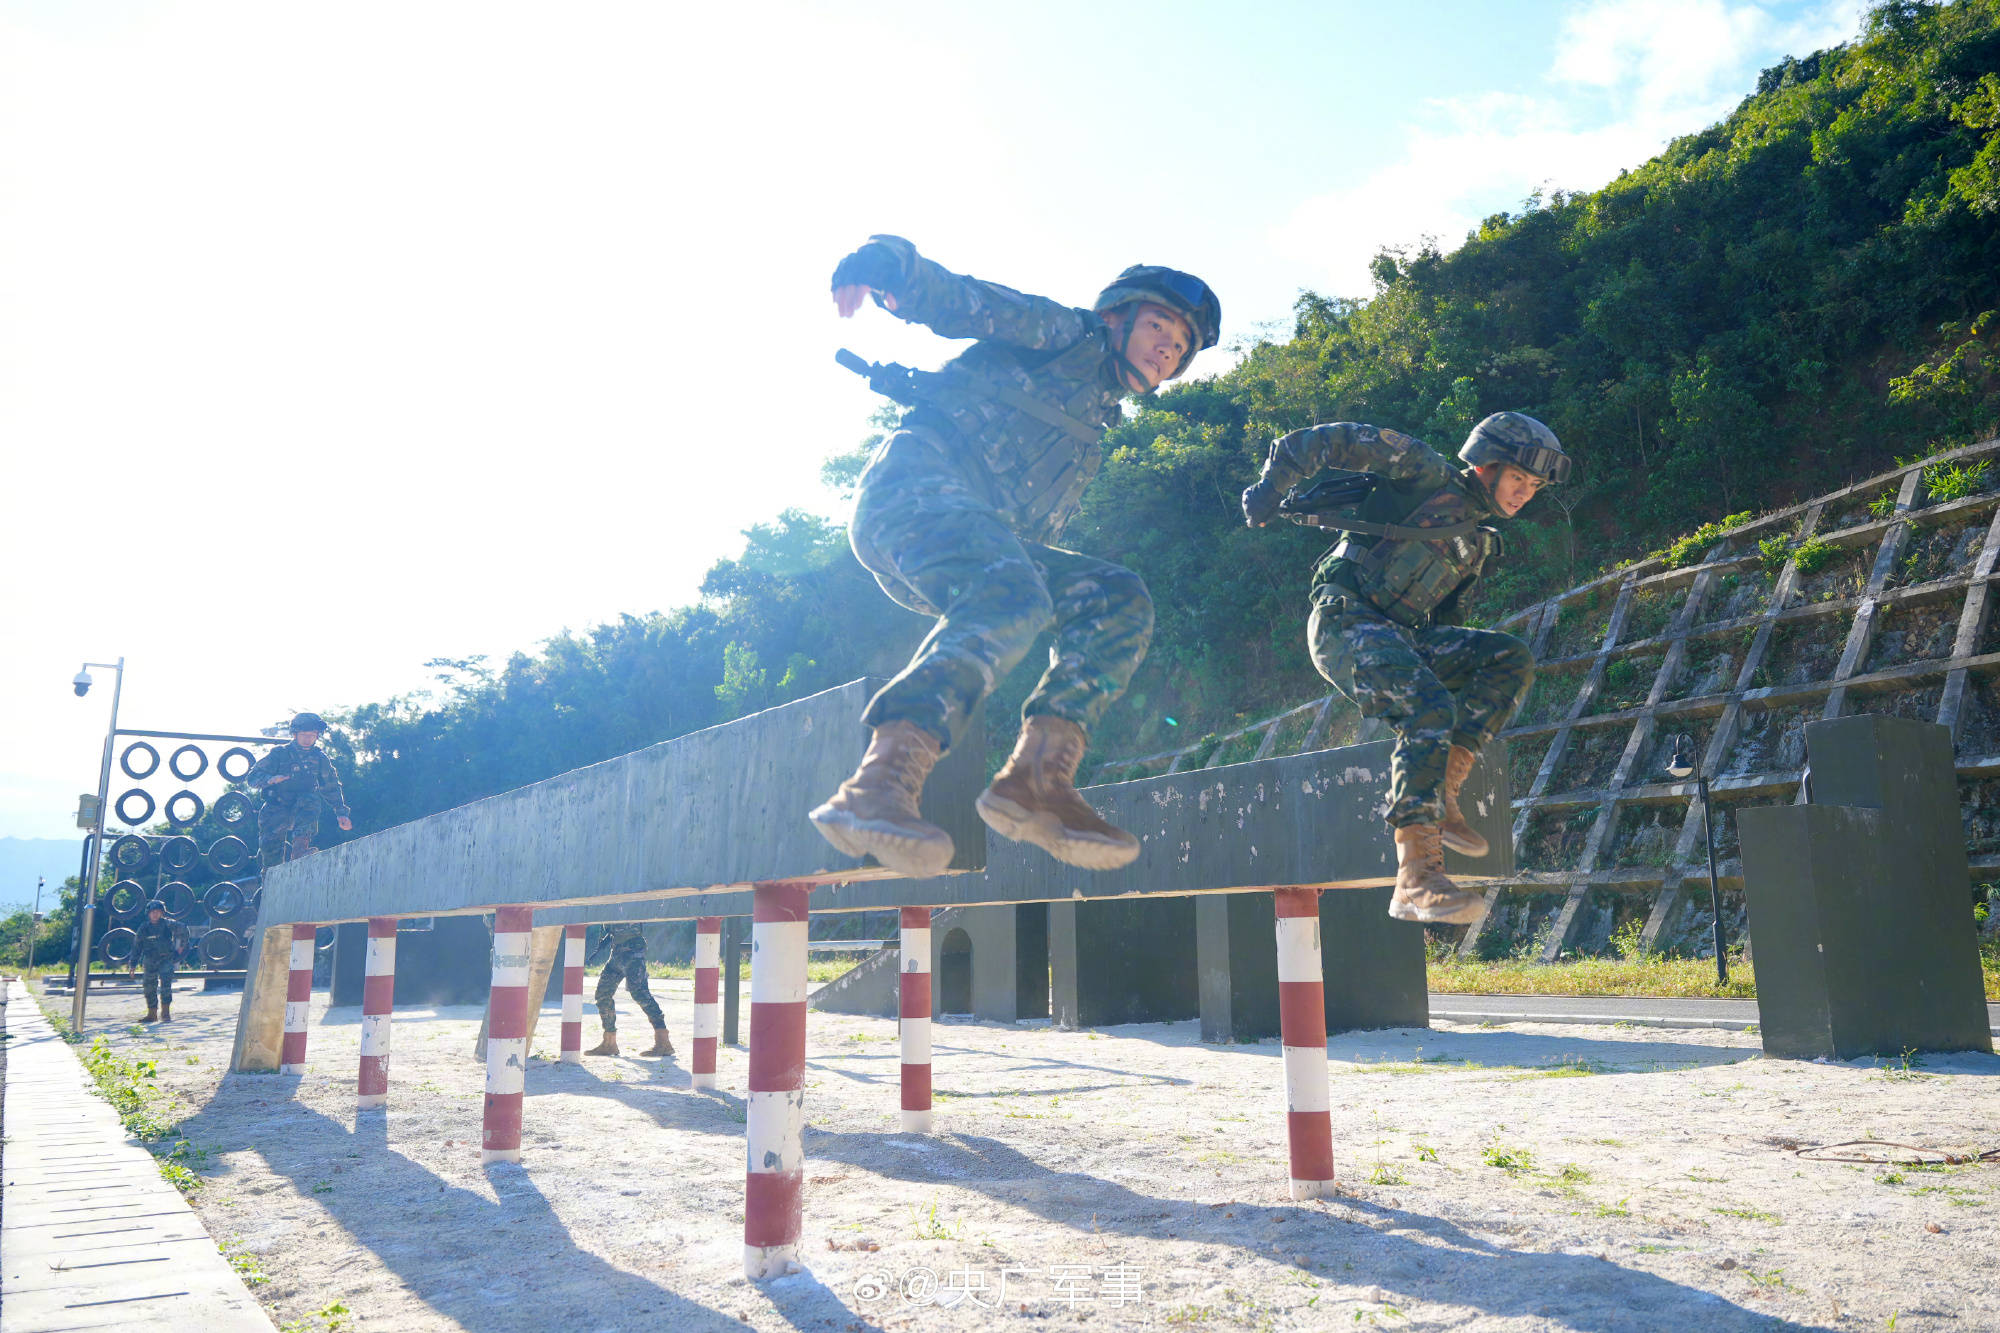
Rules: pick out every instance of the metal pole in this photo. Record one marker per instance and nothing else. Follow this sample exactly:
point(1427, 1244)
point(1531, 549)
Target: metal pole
point(1714, 893)
point(88, 894)
point(33, 917)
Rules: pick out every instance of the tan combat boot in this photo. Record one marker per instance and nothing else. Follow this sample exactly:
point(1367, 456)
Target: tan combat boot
point(166, 1013)
point(609, 1046)
point(1033, 798)
point(662, 1043)
point(152, 1013)
point(1458, 835)
point(875, 812)
point(1423, 893)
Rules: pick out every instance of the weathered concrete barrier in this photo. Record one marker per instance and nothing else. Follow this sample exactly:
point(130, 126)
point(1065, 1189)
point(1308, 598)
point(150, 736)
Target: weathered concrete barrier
point(1859, 913)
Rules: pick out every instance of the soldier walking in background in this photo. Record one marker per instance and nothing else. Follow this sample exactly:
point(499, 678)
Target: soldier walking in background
point(1416, 532)
point(159, 948)
point(957, 517)
point(627, 948)
point(296, 782)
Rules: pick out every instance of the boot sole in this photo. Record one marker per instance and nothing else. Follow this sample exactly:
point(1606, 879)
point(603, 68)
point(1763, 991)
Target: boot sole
point(1465, 846)
point(1085, 851)
point(919, 857)
point(1462, 915)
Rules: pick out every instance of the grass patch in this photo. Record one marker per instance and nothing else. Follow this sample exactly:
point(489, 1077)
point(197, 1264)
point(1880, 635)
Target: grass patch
point(1753, 1214)
point(924, 1222)
point(1667, 977)
point(1686, 550)
point(1511, 1160)
point(1954, 481)
point(819, 967)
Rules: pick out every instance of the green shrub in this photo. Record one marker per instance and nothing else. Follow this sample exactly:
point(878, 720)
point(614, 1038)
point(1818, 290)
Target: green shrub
point(1774, 551)
point(1686, 550)
point(1884, 504)
point(1814, 555)
point(1955, 481)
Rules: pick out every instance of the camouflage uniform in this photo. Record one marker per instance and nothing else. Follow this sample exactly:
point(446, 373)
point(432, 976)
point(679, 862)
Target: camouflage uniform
point(157, 953)
point(959, 509)
point(289, 812)
point(627, 945)
point(1436, 684)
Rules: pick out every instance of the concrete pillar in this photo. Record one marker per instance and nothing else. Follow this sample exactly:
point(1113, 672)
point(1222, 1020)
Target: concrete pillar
point(507, 1035)
point(572, 995)
point(1126, 960)
point(1372, 965)
point(775, 1119)
point(707, 994)
point(298, 999)
point(1302, 1018)
point(914, 1008)
point(260, 1020)
point(378, 997)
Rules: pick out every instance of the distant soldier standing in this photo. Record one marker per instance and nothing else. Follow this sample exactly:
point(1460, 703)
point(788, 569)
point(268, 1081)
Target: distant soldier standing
point(1416, 534)
point(297, 781)
point(627, 947)
point(159, 948)
point(957, 517)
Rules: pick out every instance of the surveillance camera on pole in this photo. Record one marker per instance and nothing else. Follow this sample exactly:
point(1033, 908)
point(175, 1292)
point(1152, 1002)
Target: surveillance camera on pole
point(81, 684)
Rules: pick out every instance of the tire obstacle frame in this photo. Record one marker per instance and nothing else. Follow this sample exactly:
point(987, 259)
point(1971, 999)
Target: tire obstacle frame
point(134, 855)
point(711, 825)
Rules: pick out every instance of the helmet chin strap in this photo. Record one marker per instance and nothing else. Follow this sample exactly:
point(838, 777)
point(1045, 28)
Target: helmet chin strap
point(1129, 373)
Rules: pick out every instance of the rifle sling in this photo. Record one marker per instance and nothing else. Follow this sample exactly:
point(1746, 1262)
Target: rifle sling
point(1395, 531)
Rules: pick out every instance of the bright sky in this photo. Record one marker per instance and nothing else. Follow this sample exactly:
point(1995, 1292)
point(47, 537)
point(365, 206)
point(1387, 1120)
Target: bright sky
point(334, 338)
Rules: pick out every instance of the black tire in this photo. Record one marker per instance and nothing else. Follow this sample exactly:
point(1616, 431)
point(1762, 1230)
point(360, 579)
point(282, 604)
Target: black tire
point(127, 898)
point(125, 761)
point(132, 854)
point(179, 899)
point(189, 821)
point(230, 809)
point(179, 854)
point(235, 752)
point(200, 767)
point(118, 945)
point(323, 939)
point(134, 821)
point(227, 854)
point(219, 946)
point(223, 898)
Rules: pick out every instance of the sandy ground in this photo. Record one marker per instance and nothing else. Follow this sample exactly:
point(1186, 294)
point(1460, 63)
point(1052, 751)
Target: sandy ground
point(1128, 1177)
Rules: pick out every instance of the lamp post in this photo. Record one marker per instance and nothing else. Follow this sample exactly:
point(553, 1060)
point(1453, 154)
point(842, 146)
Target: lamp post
point(87, 905)
point(34, 919)
point(1682, 764)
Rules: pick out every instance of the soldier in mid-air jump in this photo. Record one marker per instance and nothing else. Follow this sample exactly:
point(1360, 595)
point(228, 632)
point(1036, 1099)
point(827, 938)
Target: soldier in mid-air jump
point(1416, 533)
point(297, 781)
point(627, 948)
point(957, 517)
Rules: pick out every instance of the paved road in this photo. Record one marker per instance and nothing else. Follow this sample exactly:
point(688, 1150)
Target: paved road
point(1733, 1015)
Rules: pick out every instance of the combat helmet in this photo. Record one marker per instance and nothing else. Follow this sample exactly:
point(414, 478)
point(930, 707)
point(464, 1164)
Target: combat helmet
point(1511, 437)
point(314, 722)
point(1183, 293)
point(157, 905)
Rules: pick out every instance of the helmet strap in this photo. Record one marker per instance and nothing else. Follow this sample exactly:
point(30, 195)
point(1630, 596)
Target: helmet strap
point(1129, 376)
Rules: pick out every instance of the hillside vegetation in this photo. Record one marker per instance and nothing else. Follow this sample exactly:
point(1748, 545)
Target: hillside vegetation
point(1788, 299)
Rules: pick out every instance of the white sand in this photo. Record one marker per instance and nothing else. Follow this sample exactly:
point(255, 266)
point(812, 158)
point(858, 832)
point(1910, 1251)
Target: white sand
point(1130, 1177)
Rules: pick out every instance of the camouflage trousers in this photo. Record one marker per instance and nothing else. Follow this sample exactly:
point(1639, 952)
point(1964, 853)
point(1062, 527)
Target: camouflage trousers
point(159, 982)
point(280, 819)
point(1435, 687)
point(940, 548)
point(636, 984)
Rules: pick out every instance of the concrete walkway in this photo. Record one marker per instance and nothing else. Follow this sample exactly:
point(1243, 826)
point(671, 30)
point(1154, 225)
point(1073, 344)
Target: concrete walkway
point(91, 1236)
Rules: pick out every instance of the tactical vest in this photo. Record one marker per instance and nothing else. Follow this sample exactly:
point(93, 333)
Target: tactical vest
point(1032, 420)
point(1407, 581)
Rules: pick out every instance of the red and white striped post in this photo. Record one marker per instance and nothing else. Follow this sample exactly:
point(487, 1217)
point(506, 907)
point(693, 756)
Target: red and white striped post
point(507, 1035)
point(298, 998)
point(378, 1000)
point(572, 995)
point(707, 997)
point(1302, 1029)
point(915, 1011)
point(776, 1119)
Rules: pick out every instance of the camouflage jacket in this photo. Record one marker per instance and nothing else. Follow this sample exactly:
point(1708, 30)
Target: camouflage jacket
point(1032, 471)
point(1412, 582)
point(303, 770)
point(159, 939)
point(627, 945)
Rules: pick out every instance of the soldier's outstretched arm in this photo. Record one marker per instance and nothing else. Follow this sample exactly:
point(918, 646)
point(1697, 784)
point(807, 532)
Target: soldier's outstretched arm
point(1350, 445)
point(951, 304)
point(330, 792)
point(599, 949)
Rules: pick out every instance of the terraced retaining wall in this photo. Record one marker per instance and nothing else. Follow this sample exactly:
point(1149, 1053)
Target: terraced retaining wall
point(1887, 609)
